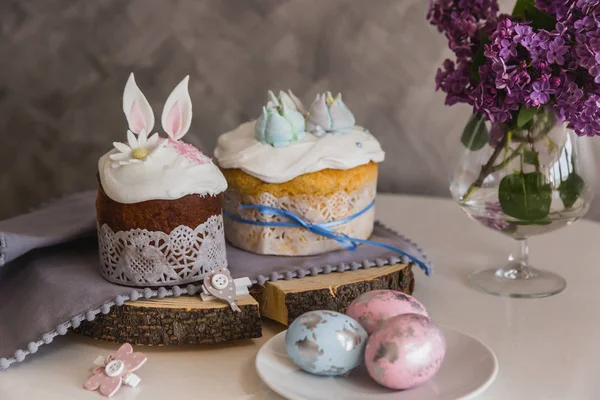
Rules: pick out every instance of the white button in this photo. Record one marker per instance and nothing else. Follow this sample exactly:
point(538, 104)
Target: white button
point(219, 281)
point(114, 368)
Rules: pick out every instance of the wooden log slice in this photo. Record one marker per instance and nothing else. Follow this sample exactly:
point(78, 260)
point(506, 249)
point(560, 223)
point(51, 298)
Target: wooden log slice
point(189, 320)
point(176, 320)
point(285, 300)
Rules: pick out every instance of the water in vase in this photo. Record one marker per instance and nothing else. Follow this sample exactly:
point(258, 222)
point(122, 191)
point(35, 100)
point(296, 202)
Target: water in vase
point(483, 206)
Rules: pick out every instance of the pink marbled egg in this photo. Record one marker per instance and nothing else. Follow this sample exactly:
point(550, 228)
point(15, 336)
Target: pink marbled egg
point(405, 352)
point(373, 308)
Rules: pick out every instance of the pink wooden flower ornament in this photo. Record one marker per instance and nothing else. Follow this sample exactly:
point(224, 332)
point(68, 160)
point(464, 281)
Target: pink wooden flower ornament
point(117, 368)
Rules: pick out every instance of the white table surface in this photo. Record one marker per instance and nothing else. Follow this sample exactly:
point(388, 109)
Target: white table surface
point(547, 348)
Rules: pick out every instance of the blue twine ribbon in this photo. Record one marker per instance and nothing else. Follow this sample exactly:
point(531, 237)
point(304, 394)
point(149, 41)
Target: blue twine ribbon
point(323, 229)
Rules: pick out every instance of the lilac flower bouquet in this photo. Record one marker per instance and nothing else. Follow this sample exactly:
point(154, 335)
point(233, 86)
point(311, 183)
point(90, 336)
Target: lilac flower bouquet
point(533, 81)
point(524, 74)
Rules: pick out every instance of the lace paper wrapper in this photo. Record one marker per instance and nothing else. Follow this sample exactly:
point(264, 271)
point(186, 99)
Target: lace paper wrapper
point(288, 241)
point(145, 258)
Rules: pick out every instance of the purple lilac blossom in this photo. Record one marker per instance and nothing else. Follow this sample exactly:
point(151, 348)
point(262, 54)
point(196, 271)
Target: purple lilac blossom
point(461, 21)
point(540, 93)
point(523, 66)
point(556, 51)
point(493, 217)
point(492, 223)
point(496, 134)
point(454, 81)
point(557, 8)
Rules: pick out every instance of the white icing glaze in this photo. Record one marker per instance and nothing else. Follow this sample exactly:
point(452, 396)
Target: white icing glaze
point(174, 171)
point(240, 149)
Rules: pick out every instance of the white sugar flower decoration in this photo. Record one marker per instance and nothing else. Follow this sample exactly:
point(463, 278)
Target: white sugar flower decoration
point(137, 150)
point(328, 114)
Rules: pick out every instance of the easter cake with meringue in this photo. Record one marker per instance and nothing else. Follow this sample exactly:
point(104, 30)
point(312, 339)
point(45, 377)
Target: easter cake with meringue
point(159, 203)
point(294, 171)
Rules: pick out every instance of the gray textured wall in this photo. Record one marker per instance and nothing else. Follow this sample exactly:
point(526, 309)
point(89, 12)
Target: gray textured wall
point(63, 65)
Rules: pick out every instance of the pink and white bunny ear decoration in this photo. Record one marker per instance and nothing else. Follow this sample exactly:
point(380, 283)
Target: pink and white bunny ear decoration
point(136, 108)
point(177, 114)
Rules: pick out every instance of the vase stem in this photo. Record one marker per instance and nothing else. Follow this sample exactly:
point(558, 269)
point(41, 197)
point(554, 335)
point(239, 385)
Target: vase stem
point(518, 264)
point(520, 260)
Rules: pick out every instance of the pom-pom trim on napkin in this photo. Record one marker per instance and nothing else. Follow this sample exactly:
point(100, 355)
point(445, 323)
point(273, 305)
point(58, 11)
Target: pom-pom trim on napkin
point(191, 290)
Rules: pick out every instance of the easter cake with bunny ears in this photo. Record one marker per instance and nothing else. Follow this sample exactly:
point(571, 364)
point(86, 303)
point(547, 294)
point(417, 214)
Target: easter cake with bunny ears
point(294, 171)
point(159, 203)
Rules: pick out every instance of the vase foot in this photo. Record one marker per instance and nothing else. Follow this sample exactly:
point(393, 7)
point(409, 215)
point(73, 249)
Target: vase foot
point(516, 282)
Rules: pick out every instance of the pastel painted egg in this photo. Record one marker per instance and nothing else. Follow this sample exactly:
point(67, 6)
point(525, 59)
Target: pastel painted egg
point(326, 342)
point(405, 352)
point(372, 308)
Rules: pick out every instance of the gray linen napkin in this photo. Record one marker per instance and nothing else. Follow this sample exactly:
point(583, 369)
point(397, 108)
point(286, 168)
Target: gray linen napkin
point(50, 279)
point(58, 222)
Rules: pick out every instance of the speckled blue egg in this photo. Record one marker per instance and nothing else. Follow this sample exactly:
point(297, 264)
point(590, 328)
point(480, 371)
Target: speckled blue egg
point(326, 343)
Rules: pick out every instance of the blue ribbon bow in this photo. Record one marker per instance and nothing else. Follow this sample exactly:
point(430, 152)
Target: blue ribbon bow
point(323, 229)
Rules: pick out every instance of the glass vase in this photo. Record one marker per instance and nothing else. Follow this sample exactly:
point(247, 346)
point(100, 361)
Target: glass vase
point(523, 178)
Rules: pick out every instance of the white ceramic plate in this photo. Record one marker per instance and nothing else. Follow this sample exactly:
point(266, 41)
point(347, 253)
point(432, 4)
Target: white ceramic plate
point(469, 368)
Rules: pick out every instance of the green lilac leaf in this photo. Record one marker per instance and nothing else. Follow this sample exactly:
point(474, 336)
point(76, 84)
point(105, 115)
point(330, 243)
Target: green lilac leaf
point(570, 189)
point(539, 19)
point(531, 158)
point(526, 223)
point(479, 57)
point(526, 197)
point(526, 115)
point(476, 134)
point(521, 6)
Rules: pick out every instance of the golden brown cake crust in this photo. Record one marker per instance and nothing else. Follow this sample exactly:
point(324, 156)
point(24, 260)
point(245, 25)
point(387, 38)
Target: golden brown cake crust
point(321, 183)
point(156, 215)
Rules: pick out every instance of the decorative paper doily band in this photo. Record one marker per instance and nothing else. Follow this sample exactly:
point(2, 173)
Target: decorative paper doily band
point(176, 291)
point(326, 230)
point(139, 257)
point(288, 241)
